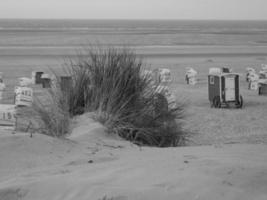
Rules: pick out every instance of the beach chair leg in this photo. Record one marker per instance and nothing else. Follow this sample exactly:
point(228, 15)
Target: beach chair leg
point(15, 125)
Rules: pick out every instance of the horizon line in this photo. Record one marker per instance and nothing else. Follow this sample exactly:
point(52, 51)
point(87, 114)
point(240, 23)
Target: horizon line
point(132, 19)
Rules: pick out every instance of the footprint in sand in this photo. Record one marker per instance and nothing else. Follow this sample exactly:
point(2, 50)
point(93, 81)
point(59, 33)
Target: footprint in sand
point(114, 198)
point(91, 161)
point(12, 193)
point(224, 182)
point(76, 162)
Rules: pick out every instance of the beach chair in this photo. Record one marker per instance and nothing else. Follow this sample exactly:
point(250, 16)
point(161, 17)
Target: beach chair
point(37, 77)
point(253, 81)
point(46, 81)
point(190, 76)
point(249, 71)
point(23, 96)
point(8, 119)
point(165, 75)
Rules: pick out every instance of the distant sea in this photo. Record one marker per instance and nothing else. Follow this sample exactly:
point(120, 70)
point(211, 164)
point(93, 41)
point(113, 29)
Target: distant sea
point(75, 33)
point(34, 43)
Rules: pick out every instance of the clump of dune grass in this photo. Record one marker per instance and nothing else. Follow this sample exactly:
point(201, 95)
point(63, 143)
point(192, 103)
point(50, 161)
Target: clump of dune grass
point(110, 83)
point(52, 113)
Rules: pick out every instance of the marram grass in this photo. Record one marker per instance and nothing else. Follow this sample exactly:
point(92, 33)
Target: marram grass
point(110, 83)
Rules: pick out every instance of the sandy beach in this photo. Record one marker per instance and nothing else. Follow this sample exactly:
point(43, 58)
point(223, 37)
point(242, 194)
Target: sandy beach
point(92, 165)
point(225, 156)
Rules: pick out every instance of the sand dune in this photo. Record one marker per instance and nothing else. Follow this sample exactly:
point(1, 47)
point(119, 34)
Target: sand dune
point(91, 164)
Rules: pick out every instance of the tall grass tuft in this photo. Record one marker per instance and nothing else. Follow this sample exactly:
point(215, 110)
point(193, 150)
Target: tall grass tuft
point(110, 82)
point(52, 113)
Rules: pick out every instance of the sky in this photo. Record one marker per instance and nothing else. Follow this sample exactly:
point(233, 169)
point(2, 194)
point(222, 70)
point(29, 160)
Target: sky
point(136, 9)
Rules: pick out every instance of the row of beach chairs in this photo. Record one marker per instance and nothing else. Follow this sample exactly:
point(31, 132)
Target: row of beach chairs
point(257, 81)
point(23, 95)
point(23, 92)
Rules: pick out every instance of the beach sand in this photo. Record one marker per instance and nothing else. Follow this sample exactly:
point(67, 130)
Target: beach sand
point(90, 164)
point(226, 156)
